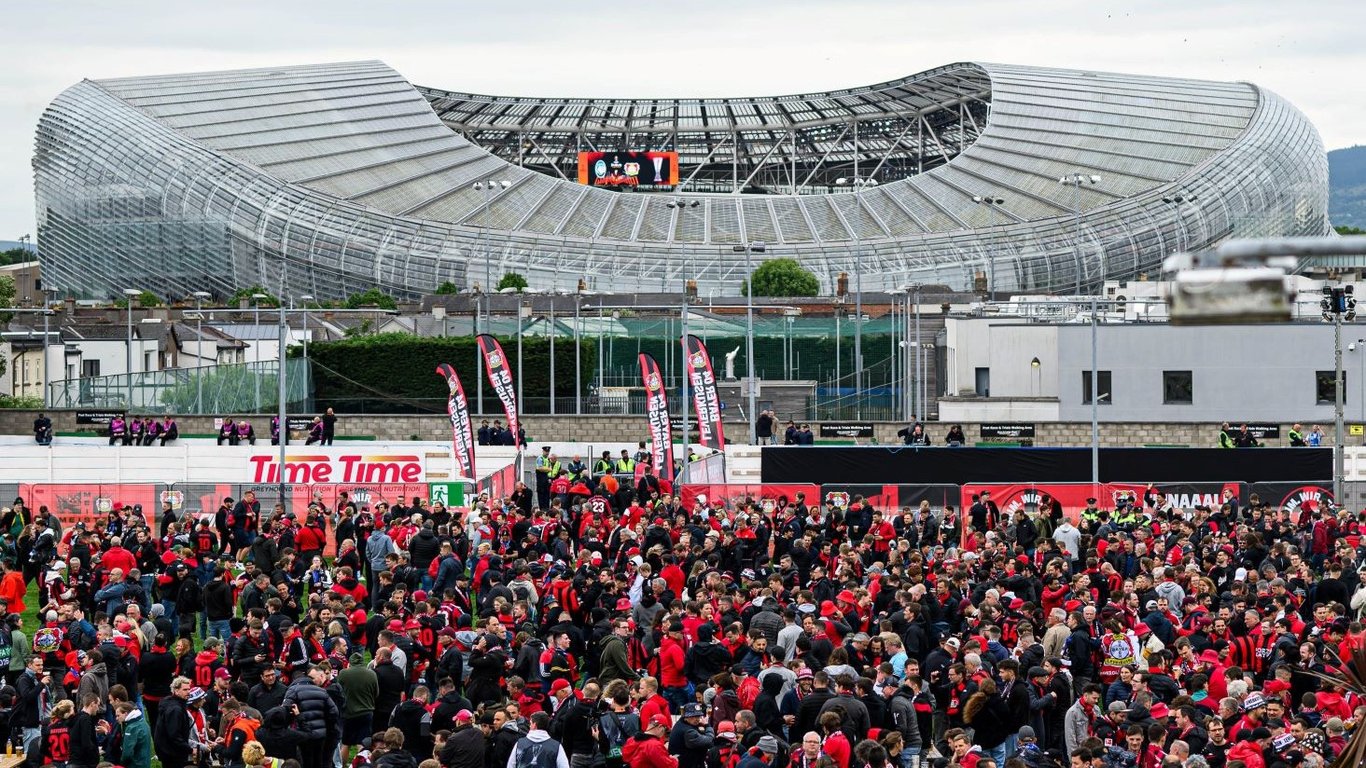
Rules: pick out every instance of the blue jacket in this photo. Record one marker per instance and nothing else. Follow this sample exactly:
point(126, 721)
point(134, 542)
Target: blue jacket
point(447, 570)
point(111, 596)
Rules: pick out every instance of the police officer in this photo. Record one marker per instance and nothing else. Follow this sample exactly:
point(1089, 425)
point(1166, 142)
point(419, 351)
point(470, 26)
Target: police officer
point(547, 469)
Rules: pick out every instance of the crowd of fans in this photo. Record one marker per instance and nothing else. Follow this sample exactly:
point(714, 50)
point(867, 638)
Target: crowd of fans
point(582, 628)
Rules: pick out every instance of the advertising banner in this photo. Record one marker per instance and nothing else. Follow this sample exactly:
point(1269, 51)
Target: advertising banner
point(500, 377)
point(893, 498)
point(846, 429)
point(703, 382)
point(462, 429)
point(657, 412)
point(767, 494)
point(86, 503)
point(101, 418)
point(1296, 498)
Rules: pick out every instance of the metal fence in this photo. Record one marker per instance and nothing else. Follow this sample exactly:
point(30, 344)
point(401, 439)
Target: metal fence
point(241, 388)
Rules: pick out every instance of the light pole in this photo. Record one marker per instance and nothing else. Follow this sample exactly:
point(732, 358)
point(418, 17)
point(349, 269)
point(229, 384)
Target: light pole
point(552, 353)
point(199, 297)
point(47, 314)
point(859, 184)
point(1095, 405)
point(129, 294)
point(578, 351)
point(991, 253)
point(304, 299)
point(757, 246)
point(917, 403)
point(1076, 181)
point(256, 344)
point(1338, 304)
point(488, 187)
point(1176, 200)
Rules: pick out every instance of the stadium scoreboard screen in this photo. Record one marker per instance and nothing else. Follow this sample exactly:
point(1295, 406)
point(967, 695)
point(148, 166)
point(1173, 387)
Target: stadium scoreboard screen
point(629, 170)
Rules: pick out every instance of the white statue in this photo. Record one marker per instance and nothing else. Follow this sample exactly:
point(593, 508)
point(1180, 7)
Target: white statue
point(730, 364)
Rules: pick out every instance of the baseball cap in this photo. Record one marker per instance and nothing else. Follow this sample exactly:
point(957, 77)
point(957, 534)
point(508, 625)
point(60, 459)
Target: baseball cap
point(464, 716)
point(663, 721)
point(954, 643)
point(559, 685)
point(1116, 706)
point(222, 674)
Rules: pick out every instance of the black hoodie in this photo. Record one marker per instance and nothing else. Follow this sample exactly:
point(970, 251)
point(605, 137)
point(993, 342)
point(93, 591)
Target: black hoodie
point(766, 712)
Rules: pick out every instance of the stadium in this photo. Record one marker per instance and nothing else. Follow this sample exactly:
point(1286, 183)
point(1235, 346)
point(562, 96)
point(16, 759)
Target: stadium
point(332, 179)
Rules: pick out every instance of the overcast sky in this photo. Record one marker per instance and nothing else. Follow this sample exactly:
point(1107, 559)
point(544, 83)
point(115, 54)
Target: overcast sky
point(1311, 52)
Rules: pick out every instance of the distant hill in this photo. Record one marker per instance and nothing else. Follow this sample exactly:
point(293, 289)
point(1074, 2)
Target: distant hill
point(1347, 187)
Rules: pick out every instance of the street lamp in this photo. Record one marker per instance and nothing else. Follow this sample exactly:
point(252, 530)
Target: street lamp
point(1338, 304)
point(488, 186)
point(1076, 181)
point(199, 297)
point(1176, 200)
point(304, 299)
point(129, 294)
point(256, 299)
point(758, 246)
point(47, 314)
point(991, 253)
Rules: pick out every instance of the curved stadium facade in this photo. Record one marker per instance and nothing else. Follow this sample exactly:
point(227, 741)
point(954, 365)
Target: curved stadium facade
point(332, 179)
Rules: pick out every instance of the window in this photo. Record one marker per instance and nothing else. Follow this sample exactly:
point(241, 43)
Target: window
point(90, 369)
point(1177, 388)
point(1103, 380)
point(1323, 387)
point(982, 382)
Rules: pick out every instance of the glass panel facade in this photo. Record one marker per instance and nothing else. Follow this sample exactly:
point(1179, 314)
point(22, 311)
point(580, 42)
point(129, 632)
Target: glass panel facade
point(337, 178)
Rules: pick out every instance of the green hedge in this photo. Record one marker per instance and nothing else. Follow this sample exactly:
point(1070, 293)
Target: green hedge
point(396, 372)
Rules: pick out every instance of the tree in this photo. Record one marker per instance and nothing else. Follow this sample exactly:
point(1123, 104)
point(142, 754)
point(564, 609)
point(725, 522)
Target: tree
point(1346, 230)
point(7, 291)
point(371, 298)
point(783, 277)
point(245, 294)
point(17, 256)
point(512, 280)
point(447, 289)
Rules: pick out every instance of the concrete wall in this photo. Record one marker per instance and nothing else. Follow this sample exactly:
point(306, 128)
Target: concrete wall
point(630, 429)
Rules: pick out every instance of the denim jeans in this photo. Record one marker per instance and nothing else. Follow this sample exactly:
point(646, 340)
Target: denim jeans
point(170, 615)
point(678, 697)
point(219, 629)
point(910, 757)
point(997, 753)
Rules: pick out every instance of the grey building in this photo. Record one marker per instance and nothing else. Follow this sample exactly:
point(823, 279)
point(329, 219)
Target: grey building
point(1014, 370)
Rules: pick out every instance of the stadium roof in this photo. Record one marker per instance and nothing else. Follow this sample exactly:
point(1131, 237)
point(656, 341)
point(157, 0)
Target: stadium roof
point(354, 153)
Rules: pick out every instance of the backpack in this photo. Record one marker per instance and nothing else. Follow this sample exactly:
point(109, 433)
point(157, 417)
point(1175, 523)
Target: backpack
point(617, 728)
point(191, 597)
point(79, 639)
